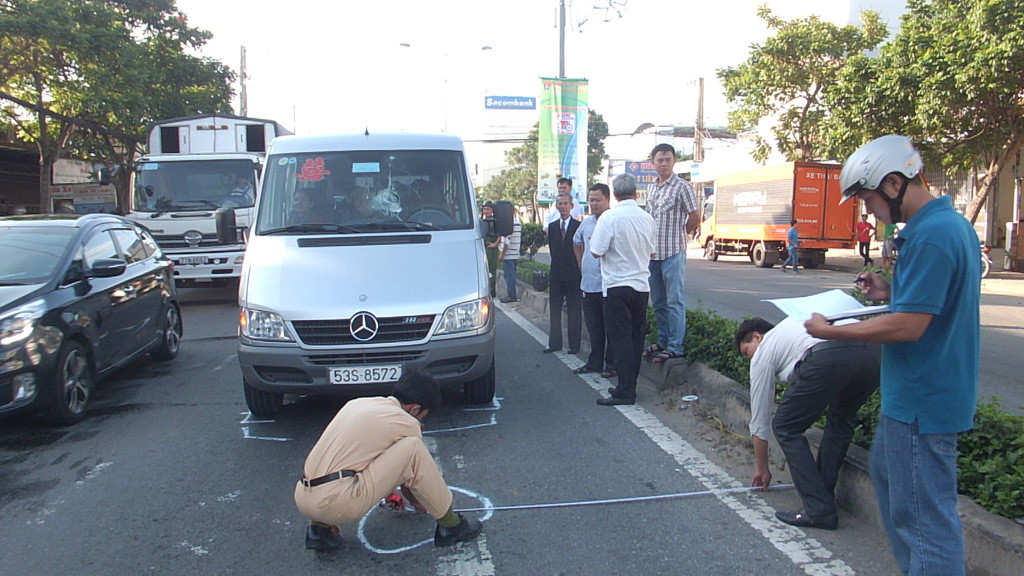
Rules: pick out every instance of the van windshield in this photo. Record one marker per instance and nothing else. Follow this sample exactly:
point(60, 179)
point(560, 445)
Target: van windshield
point(365, 192)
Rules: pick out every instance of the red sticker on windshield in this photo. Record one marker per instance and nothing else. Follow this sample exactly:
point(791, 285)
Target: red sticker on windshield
point(312, 170)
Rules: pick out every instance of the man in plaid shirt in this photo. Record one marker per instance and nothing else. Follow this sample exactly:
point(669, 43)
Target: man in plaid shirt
point(673, 205)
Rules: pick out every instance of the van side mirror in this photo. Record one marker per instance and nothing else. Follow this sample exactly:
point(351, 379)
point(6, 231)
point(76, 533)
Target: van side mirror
point(227, 230)
point(504, 214)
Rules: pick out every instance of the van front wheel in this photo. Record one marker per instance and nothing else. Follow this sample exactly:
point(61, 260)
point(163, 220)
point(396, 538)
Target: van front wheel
point(262, 403)
point(481, 390)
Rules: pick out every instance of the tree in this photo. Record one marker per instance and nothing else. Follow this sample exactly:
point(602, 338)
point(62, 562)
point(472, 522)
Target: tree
point(951, 81)
point(518, 184)
point(94, 72)
point(787, 77)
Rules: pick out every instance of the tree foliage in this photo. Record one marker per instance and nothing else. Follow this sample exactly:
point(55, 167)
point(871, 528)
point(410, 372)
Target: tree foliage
point(785, 79)
point(518, 183)
point(117, 64)
point(951, 80)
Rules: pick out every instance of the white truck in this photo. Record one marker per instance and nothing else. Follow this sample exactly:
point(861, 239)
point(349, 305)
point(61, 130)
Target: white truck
point(195, 190)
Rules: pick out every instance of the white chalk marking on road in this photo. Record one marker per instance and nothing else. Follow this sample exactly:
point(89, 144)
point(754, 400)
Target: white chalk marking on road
point(225, 362)
point(93, 473)
point(805, 552)
point(248, 436)
point(484, 501)
point(230, 497)
point(248, 419)
point(493, 422)
point(197, 550)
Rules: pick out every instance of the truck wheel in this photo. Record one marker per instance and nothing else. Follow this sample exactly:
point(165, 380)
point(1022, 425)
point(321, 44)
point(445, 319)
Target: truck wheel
point(710, 252)
point(481, 390)
point(759, 256)
point(262, 403)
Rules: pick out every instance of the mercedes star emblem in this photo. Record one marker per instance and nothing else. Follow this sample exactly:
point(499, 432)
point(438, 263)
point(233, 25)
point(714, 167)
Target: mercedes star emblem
point(363, 326)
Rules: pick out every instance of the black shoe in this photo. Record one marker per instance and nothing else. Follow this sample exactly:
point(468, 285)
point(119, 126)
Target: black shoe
point(549, 349)
point(464, 532)
point(321, 537)
point(573, 350)
point(611, 390)
point(802, 520)
point(613, 401)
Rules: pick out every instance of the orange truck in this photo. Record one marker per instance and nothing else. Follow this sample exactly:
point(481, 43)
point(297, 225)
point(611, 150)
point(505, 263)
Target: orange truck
point(749, 214)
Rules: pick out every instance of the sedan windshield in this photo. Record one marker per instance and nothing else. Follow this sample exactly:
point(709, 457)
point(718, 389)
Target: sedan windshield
point(30, 255)
point(365, 192)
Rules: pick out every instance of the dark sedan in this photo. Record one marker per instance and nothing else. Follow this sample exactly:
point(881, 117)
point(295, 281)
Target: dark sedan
point(80, 296)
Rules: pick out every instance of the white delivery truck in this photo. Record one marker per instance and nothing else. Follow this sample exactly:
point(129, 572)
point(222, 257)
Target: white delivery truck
point(366, 259)
point(196, 171)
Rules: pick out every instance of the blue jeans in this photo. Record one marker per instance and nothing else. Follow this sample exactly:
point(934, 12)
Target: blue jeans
point(509, 269)
point(915, 481)
point(793, 257)
point(667, 297)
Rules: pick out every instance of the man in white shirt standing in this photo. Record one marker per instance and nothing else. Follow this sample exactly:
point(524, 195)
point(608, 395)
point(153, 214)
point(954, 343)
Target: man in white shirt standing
point(836, 374)
point(509, 259)
point(623, 241)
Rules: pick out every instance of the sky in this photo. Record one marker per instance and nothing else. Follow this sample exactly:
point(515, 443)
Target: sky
point(319, 66)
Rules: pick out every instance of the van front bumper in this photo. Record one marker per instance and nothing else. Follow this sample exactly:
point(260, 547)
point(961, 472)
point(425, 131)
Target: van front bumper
point(291, 369)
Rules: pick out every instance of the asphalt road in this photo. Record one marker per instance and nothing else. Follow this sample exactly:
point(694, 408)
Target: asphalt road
point(170, 475)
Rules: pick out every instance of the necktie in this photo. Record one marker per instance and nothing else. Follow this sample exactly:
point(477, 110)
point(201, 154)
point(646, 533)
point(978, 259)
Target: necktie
point(564, 226)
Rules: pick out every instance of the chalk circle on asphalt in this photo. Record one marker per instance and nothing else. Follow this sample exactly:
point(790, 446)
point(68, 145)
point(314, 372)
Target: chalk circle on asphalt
point(484, 503)
point(690, 398)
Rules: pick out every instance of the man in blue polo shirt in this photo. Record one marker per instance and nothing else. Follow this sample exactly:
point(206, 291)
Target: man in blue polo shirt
point(929, 358)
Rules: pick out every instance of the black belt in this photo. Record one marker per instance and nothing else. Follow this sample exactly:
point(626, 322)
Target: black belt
point(327, 478)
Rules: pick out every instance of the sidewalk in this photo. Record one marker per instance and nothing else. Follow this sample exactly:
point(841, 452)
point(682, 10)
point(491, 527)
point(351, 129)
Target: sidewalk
point(995, 545)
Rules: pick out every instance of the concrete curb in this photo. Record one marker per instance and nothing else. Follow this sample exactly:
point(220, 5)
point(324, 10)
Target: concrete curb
point(995, 545)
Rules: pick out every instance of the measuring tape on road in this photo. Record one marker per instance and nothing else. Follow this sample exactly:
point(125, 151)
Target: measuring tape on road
point(677, 495)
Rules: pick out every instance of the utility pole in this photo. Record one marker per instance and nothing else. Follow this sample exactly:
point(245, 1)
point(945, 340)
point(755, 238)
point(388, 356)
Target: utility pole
point(561, 39)
point(243, 95)
point(698, 130)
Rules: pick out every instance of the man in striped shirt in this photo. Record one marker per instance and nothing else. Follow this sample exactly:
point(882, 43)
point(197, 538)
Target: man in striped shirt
point(673, 205)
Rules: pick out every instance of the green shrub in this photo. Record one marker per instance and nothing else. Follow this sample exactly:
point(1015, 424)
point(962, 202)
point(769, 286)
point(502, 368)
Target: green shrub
point(709, 339)
point(532, 239)
point(991, 461)
point(526, 268)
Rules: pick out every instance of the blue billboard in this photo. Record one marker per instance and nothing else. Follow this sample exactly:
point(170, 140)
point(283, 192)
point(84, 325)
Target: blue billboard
point(510, 102)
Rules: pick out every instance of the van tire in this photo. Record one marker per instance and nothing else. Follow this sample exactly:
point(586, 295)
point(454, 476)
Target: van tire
point(481, 390)
point(260, 402)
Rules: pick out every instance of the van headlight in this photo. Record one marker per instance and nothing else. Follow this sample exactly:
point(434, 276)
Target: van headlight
point(262, 325)
point(466, 316)
point(19, 323)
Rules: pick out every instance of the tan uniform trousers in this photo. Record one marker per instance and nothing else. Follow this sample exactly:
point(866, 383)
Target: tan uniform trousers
point(344, 501)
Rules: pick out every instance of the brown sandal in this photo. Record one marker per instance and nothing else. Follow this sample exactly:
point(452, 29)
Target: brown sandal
point(664, 356)
point(652, 350)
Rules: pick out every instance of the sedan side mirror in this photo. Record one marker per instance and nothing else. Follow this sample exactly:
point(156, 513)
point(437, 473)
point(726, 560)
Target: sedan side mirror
point(107, 268)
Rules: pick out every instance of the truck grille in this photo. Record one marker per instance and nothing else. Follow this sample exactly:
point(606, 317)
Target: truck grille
point(171, 242)
point(389, 330)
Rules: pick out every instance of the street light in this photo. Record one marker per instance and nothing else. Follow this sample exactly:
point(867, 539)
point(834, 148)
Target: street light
point(445, 75)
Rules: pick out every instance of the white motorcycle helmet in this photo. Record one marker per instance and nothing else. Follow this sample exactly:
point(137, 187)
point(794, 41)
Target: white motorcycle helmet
point(871, 163)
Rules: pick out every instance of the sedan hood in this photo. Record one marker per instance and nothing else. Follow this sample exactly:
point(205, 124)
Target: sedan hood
point(11, 294)
point(303, 281)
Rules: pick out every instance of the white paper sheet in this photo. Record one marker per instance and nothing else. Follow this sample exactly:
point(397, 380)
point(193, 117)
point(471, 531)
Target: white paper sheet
point(833, 304)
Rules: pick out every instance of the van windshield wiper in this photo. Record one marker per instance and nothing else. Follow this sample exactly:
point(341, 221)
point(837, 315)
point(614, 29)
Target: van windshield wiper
point(311, 228)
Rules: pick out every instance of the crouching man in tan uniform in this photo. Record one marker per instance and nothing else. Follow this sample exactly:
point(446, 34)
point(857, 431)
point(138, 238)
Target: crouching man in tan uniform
point(372, 446)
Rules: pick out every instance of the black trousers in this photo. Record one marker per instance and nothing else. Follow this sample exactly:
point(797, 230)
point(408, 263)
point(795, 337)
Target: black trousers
point(626, 322)
point(864, 249)
point(593, 314)
point(567, 292)
point(838, 375)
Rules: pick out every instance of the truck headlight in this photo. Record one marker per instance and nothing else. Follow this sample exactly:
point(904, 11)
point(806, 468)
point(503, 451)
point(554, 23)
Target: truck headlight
point(261, 325)
point(19, 323)
point(466, 316)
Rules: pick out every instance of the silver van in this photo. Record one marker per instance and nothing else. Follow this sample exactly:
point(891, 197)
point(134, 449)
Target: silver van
point(366, 258)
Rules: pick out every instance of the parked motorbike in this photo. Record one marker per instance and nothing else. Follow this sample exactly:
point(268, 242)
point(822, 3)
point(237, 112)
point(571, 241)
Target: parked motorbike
point(986, 261)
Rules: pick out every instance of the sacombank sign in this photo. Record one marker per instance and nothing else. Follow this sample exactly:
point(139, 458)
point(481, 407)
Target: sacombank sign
point(510, 102)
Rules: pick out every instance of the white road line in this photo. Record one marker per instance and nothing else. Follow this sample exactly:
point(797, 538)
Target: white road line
point(225, 362)
point(806, 553)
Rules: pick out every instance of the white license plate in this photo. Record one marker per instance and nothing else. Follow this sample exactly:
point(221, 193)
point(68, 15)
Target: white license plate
point(192, 260)
point(380, 374)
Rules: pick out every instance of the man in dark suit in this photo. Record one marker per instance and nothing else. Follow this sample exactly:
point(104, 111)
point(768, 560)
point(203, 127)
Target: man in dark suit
point(564, 286)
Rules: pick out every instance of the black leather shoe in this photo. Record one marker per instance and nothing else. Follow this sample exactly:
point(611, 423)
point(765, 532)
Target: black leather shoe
point(802, 520)
point(611, 390)
point(549, 350)
point(465, 531)
point(321, 537)
point(613, 401)
point(573, 350)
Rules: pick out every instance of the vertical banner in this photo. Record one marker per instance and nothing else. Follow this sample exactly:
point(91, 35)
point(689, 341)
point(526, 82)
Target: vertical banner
point(562, 143)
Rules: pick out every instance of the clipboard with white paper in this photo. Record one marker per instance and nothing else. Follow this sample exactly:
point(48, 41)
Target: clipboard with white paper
point(832, 304)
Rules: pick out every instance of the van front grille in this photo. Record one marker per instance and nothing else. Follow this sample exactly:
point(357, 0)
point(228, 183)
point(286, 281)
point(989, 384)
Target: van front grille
point(389, 330)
